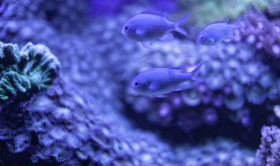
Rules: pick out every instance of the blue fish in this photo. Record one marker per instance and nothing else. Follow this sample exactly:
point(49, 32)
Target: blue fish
point(149, 26)
point(160, 81)
point(216, 32)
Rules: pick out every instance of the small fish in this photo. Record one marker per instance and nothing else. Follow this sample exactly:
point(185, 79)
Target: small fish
point(160, 81)
point(216, 32)
point(149, 26)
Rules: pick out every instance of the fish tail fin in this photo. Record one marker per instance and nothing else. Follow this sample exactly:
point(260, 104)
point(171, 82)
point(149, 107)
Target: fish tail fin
point(179, 24)
point(195, 72)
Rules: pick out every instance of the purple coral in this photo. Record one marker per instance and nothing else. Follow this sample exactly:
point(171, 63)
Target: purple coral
point(53, 130)
point(216, 152)
point(261, 32)
point(269, 150)
point(233, 80)
point(49, 11)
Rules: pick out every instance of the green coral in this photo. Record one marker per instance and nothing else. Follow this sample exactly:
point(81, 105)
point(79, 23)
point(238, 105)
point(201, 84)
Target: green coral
point(31, 69)
point(205, 11)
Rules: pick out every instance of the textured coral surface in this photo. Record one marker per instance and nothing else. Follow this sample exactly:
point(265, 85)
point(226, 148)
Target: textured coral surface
point(31, 69)
point(65, 99)
point(268, 153)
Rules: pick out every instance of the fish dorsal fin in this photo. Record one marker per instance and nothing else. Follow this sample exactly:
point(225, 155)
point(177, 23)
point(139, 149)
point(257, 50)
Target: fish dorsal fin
point(182, 69)
point(225, 21)
point(164, 14)
point(193, 73)
point(140, 32)
point(154, 85)
point(236, 23)
point(167, 37)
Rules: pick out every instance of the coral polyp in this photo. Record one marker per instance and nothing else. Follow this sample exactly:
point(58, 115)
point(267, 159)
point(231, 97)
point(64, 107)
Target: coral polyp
point(31, 69)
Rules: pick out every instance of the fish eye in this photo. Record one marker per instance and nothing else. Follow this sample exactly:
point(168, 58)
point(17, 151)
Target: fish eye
point(126, 28)
point(201, 37)
point(136, 83)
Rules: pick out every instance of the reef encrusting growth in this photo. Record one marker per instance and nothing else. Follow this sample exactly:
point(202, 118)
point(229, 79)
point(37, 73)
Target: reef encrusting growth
point(261, 32)
point(269, 151)
point(80, 120)
point(237, 86)
point(31, 69)
point(50, 11)
point(67, 125)
point(216, 152)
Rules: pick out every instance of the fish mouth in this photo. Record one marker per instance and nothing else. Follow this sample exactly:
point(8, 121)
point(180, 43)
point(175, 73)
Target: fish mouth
point(122, 31)
point(132, 85)
point(134, 90)
point(197, 40)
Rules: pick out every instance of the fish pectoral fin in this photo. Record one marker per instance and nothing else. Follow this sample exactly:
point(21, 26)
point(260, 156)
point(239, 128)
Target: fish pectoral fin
point(195, 78)
point(146, 44)
point(184, 86)
point(140, 32)
point(154, 86)
point(167, 37)
point(218, 22)
point(228, 38)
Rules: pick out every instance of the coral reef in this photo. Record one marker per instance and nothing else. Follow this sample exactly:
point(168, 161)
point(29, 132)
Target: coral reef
point(273, 9)
point(268, 152)
point(50, 11)
point(235, 82)
point(90, 116)
point(66, 124)
point(22, 31)
point(257, 30)
point(31, 69)
point(216, 152)
point(87, 49)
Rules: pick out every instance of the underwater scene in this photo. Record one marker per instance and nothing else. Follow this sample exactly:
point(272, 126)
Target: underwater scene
point(140, 82)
